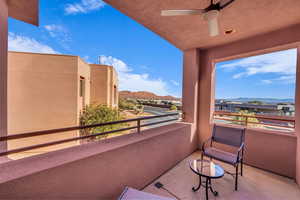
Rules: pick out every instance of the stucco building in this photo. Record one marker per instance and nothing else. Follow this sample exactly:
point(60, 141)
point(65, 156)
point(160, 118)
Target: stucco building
point(49, 91)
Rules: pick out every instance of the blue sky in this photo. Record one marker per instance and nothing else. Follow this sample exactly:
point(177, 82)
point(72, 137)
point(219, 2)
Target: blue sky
point(265, 76)
point(91, 28)
point(144, 61)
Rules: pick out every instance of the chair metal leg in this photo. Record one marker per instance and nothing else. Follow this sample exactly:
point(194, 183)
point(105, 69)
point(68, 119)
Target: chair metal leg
point(236, 176)
point(242, 166)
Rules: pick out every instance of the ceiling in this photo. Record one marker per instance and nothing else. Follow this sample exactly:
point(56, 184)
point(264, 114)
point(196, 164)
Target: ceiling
point(247, 17)
point(24, 10)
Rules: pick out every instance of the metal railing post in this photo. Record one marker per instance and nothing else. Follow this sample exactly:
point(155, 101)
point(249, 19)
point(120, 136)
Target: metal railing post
point(246, 122)
point(138, 125)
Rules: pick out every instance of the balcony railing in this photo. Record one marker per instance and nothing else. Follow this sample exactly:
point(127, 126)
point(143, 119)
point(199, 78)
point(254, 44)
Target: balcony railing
point(281, 123)
point(138, 126)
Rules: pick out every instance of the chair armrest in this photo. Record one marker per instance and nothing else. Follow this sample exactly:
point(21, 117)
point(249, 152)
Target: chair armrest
point(241, 148)
point(203, 145)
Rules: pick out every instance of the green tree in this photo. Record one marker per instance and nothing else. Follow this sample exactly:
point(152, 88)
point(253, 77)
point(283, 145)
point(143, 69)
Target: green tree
point(97, 113)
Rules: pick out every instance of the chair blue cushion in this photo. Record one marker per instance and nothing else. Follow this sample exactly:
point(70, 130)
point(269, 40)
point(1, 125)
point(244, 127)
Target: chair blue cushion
point(221, 155)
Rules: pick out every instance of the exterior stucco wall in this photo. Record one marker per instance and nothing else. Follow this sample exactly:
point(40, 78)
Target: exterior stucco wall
point(272, 151)
point(42, 95)
point(114, 88)
point(84, 71)
point(99, 82)
point(103, 80)
point(3, 71)
point(99, 170)
point(297, 117)
point(277, 40)
point(269, 150)
point(190, 85)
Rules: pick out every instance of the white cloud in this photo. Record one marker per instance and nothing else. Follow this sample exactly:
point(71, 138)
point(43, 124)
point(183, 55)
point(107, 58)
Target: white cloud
point(119, 65)
point(87, 59)
point(239, 75)
point(267, 81)
point(26, 44)
point(281, 63)
point(128, 80)
point(84, 6)
point(175, 83)
point(57, 30)
point(59, 33)
point(288, 79)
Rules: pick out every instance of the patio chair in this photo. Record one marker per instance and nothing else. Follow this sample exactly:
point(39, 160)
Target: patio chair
point(230, 136)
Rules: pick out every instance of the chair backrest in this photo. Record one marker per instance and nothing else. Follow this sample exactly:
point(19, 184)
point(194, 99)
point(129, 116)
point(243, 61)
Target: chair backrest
point(228, 135)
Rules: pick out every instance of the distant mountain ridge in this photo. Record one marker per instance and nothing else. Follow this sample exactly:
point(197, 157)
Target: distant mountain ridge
point(146, 95)
point(267, 100)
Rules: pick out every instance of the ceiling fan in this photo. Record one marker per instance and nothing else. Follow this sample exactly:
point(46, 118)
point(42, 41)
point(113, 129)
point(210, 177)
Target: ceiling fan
point(210, 14)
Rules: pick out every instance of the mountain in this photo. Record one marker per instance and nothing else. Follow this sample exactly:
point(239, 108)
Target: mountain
point(145, 95)
point(266, 100)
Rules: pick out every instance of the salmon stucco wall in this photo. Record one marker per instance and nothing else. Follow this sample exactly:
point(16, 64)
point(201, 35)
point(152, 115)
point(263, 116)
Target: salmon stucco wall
point(99, 170)
point(297, 103)
point(42, 95)
point(3, 71)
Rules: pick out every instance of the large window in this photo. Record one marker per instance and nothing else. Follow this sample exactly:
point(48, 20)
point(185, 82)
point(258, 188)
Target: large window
point(257, 91)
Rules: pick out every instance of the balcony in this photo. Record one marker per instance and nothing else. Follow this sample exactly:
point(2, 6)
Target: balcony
point(255, 184)
point(102, 169)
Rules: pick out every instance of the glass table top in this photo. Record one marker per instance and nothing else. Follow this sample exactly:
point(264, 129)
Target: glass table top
point(206, 168)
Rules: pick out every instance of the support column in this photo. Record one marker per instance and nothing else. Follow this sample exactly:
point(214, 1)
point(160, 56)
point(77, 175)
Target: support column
point(297, 116)
point(206, 96)
point(190, 85)
point(3, 71)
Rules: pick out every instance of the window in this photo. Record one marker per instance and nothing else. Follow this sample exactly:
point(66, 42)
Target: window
point(82, 87)
point(115, 97)
point(257, 91)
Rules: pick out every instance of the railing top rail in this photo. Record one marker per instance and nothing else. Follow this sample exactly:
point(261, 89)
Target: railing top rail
point(59, 130)
point(38, 133)
point(278, 118)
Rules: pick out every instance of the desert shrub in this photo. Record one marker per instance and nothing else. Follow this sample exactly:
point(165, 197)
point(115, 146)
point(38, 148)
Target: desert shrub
point(95, 114)
point(251, 118)
point(127, 104)
point(173, 107)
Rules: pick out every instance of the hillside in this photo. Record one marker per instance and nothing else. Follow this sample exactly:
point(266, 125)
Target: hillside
point(145, 95)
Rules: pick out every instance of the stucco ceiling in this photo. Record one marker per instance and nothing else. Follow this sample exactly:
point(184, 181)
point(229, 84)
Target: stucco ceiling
point(24, 10)
point(247, 17)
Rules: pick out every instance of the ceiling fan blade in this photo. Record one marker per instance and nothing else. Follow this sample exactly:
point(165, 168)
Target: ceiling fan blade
point(225, 3)
point(182, 12)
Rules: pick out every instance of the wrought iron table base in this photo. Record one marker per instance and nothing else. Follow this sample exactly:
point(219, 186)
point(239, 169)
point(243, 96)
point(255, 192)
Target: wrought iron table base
point(207, 184)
